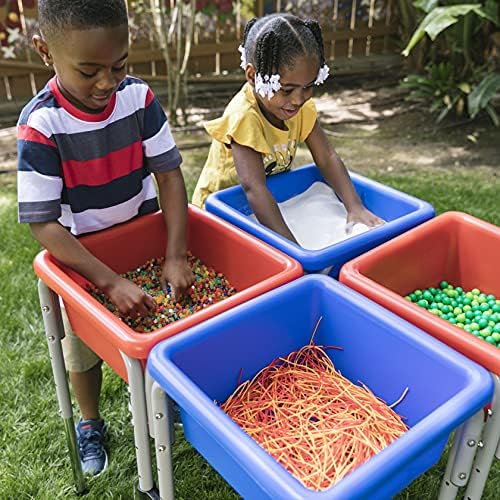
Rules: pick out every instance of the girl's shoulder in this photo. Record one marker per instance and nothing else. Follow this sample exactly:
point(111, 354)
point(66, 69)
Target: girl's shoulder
point(242, 102)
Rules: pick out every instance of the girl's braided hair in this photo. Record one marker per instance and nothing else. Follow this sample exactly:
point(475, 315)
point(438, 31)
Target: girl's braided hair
point(275, 41)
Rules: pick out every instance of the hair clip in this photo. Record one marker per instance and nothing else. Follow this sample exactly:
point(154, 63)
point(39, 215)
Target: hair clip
point(323, 73)
point(267, 85)
point(243, 58)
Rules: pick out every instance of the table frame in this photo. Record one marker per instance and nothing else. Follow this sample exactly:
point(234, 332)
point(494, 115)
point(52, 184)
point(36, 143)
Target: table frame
point(54, 333)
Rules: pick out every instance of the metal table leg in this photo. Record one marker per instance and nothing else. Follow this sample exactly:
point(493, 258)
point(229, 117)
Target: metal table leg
point(461, 456)
point(54, 332)
point(486, 453)
point(140, 423)
point(163, 443)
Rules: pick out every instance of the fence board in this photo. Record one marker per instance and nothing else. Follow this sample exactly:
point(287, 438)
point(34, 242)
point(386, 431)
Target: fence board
point(351, 28)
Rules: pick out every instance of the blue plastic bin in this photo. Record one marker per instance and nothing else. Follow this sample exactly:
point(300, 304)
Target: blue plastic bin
point(379, 348)
point(400, 211)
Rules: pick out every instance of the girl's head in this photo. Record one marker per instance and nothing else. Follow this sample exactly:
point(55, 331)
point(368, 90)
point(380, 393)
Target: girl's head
point(283, 58)
point(86, 41)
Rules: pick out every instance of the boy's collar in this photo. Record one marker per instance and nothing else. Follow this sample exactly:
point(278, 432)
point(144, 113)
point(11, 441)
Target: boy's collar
point(76, 112)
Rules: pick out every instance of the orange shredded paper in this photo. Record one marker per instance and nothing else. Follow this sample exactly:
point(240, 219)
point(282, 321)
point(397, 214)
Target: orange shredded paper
point(312, 420)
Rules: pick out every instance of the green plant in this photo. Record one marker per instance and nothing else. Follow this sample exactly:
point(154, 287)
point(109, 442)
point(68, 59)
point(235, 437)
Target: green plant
point(458, 75)
point(440, 88)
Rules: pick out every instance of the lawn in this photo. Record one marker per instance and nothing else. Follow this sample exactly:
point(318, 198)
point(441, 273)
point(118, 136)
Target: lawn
point(33, 458)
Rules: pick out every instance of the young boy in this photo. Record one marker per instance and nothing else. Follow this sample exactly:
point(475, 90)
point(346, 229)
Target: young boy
point(87, 146)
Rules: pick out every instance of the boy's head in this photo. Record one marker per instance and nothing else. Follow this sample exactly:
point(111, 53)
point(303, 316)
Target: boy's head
point(86, 41)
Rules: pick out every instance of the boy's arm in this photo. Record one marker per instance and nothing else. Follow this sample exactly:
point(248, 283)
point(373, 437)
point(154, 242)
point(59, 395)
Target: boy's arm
point(335, 173)
point(253, 181)
point(173, 202)
point(127, 297)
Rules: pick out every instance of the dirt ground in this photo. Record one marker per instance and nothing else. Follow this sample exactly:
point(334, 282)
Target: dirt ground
point(372, 127)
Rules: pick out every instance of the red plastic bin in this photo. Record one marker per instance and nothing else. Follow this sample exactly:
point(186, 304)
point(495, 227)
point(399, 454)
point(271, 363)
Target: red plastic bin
point(455, 247)
point(250, 265)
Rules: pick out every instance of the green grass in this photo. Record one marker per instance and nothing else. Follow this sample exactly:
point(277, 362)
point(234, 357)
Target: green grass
point(33, 457)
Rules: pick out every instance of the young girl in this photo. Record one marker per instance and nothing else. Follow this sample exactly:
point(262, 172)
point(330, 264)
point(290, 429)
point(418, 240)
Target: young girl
point(257, 135)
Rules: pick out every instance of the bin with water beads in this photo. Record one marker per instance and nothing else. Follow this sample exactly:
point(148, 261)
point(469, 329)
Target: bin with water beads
point(400, 211)
point(453, 247)
point(250, 266)
point(203, 366)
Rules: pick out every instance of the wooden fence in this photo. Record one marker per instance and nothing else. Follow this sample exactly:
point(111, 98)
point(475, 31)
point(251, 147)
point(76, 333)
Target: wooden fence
point(351, 29)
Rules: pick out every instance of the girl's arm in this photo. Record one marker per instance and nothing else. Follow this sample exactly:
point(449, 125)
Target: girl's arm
point(253, 181)
point(335, 173)
point(173, 202)
point(127, 297)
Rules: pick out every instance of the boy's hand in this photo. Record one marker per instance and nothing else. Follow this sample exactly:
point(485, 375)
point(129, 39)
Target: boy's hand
point(363, 216)
point(130, 299)
point(177, 273)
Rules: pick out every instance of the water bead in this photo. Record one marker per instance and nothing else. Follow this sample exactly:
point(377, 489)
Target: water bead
point(209, 287)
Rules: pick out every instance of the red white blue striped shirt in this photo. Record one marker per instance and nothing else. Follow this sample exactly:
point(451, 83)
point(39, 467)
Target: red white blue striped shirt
point(92, 171)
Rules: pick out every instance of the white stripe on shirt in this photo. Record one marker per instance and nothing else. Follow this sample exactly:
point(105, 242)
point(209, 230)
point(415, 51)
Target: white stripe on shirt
point(52, 120)
point(35, 187)
point(160, 143)
point(102, 218)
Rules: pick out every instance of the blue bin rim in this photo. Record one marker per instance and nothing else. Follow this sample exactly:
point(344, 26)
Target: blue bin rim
point(258, 463)
point(309, 258)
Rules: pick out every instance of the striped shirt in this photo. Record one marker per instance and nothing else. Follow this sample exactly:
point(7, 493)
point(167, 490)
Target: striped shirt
point(92, 171)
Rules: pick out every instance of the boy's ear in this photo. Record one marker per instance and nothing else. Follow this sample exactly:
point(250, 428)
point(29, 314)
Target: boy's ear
point(250, 74)
point(43, 49)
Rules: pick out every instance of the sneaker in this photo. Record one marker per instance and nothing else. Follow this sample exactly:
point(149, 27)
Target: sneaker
point(90, 435)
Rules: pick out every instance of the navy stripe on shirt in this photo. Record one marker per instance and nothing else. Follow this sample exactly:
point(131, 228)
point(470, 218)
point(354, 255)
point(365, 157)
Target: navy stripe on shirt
point(118, 191)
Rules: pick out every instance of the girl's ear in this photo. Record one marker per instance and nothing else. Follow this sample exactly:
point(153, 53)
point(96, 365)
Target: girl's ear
point(250, 74)
point(43, 49)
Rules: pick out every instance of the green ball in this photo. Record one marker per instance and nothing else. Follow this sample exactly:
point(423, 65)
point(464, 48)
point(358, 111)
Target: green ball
point(423, 303)
point(428, 295)
point(443, 284)
point(483, 323)
point(490, 340)
point(475, 291)
point(485, 332)
point(496, 308)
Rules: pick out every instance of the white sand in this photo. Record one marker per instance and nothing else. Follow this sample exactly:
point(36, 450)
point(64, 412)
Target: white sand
point(317, 218)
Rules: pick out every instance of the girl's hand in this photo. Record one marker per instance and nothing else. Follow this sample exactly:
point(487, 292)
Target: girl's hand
point(177, 273)
point(129, 298)
point(363, 216)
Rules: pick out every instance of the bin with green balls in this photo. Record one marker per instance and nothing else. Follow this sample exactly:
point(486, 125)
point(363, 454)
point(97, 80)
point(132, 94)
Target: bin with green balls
point(444, 277)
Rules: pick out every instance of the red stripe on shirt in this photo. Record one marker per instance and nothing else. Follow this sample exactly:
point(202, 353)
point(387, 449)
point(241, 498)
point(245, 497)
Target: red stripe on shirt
point(100, 171)
point(27, 133)
point(149, 97)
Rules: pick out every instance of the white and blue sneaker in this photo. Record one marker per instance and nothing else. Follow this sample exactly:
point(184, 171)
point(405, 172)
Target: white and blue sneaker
point(90, 435)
